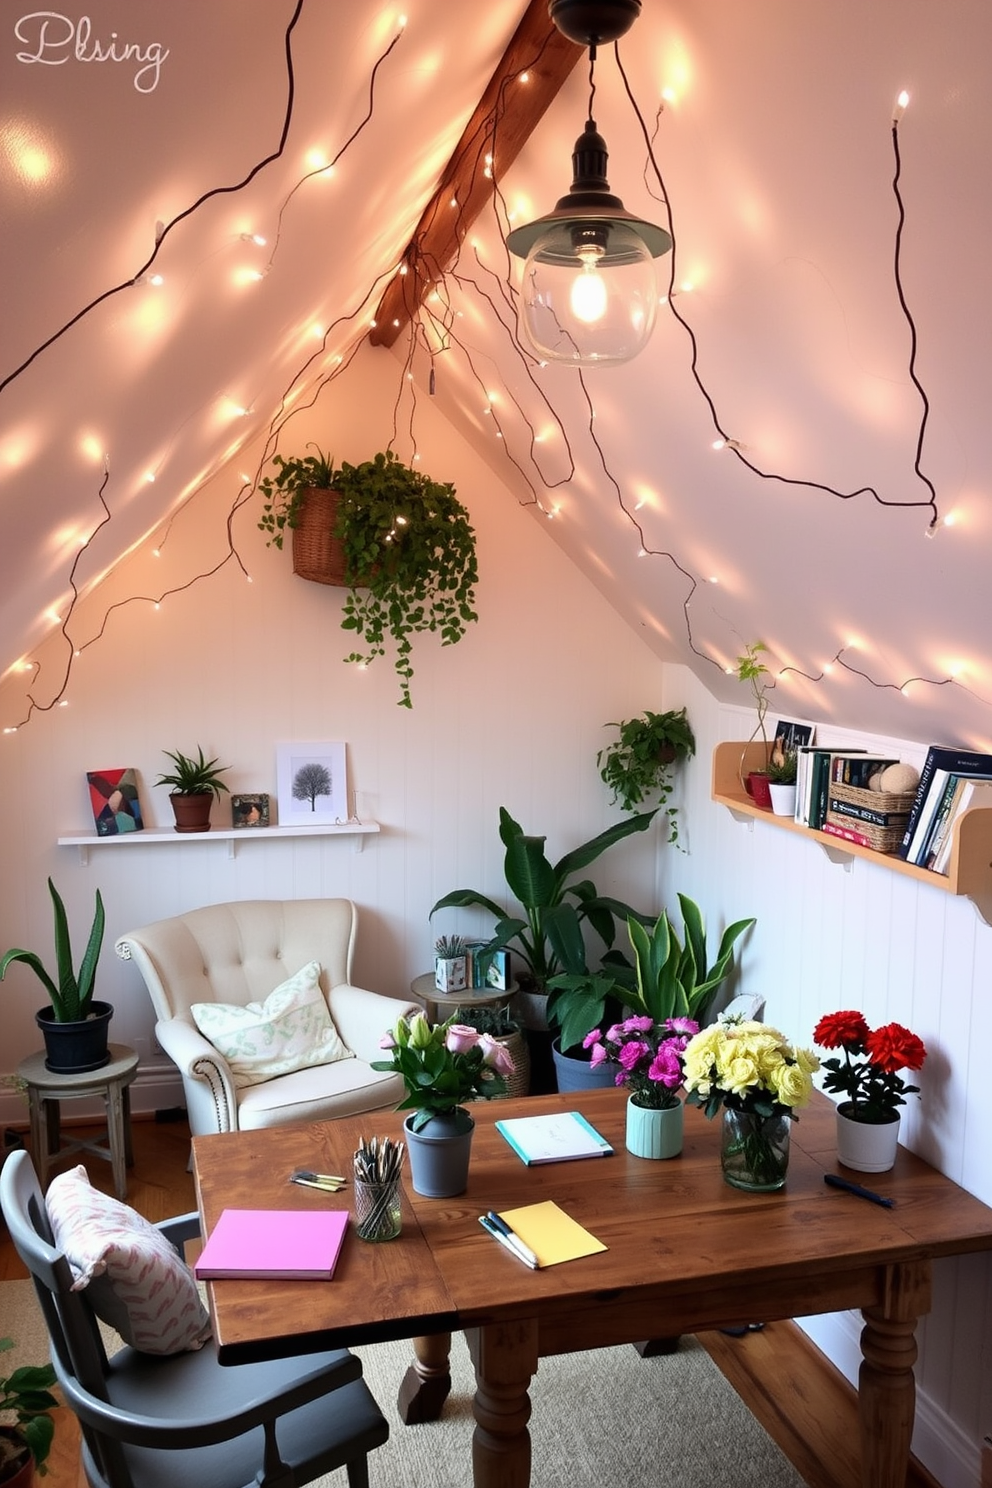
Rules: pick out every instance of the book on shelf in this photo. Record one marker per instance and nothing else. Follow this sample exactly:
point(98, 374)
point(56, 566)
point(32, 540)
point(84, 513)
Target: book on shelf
point(952, 762)
point(867, 813)
point(963, 797)
point(847, 834)
point(561, 1136)
point(292, 1244)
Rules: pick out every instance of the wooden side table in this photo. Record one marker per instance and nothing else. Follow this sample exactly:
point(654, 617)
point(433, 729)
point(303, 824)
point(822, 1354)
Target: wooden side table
point(46, 1089)
point(440, 1005)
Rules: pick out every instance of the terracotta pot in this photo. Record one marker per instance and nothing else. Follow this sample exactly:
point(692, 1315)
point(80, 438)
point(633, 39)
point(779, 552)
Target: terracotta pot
point(24, 1475)
point(192, 813)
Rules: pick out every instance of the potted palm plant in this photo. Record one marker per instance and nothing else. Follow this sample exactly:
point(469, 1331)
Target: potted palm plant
point(638, 765)
point(26, 1394)
point(74, 1026)
point(195, 783)
point(406, 545)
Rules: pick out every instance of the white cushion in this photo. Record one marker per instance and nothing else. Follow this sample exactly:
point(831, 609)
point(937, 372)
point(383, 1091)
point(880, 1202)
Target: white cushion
point(141, 1286)
point(290, 1030)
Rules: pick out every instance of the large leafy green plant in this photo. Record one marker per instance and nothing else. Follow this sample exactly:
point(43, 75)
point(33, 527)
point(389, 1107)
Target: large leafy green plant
point(675, 980)
point(668, 979)
point(72, 997)
point(557, 905)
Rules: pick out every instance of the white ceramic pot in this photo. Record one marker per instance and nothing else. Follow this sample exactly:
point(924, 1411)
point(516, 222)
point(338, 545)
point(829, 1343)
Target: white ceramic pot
point(866, 1146)
point(783, 799)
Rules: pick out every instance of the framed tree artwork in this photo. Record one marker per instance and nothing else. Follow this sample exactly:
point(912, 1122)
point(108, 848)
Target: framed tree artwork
point(312, 784)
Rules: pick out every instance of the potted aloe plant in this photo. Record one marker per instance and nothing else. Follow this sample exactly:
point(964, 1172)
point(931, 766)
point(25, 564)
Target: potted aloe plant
point(25, 1393)
point(195, 783)
point(402, 544)
point(74, 1026)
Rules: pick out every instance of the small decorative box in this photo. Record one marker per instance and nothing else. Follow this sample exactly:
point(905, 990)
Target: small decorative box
point(450, 973)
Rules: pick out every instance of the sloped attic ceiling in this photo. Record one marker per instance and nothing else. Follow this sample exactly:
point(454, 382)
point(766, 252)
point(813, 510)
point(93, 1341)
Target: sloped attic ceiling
point(829, 320)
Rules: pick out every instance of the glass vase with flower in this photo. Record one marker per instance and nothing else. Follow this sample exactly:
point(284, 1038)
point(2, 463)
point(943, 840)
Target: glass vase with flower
point(868, 1078)
point(648, 1057)
point(442, 1065)
point(752, 1073)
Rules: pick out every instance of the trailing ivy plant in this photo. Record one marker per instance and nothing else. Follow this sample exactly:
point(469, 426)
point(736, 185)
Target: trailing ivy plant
point(638, 765)
point(410, 559)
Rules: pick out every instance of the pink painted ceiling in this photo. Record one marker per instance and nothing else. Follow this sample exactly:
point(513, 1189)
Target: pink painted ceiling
point(828, 322)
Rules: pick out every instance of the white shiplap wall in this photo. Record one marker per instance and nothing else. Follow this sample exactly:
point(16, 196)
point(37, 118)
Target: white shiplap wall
point(870, 938)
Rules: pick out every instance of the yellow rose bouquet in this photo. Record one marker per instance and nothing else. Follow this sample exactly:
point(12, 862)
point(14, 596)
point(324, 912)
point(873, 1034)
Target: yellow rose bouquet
point(747, 1066)
point(759, 1079)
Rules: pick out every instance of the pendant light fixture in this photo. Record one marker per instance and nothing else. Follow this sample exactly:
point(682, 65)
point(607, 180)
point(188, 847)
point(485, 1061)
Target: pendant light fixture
point(589, 293)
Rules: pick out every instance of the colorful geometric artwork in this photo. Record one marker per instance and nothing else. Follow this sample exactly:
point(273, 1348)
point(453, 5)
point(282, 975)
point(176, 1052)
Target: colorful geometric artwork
point(114, 801)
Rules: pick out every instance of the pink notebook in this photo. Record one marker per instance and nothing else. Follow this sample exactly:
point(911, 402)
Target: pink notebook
point(273, 1243)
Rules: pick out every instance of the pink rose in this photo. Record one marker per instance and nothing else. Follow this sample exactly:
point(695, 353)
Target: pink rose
point(461, 1038)
point(496, 1055)
point(387, 1041)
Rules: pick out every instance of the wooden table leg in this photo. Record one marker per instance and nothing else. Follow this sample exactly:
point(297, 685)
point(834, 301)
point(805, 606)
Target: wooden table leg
point(505, 1359)
point(886, 1387)
point(427, 1382)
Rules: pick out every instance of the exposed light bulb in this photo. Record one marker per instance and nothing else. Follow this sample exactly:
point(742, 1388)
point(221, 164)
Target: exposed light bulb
point(588, 293)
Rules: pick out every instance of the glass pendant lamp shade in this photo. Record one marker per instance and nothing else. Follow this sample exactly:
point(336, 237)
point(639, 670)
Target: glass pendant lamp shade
point(589, 291)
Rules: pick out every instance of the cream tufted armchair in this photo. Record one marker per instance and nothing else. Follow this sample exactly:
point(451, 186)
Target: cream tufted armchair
point(238, 954)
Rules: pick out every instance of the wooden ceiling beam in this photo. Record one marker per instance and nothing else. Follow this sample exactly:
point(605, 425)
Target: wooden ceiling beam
point(503, 121)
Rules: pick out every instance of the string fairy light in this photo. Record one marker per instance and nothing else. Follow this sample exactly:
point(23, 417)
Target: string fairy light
point(438, 317)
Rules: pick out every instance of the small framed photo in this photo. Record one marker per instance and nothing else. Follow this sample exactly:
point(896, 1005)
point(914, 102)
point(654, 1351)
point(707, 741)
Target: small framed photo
point(312, 784)
point(114, 801)
point(792, 736)
point(250, 811)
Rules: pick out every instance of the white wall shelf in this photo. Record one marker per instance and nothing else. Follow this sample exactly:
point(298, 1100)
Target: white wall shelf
point(233, 836)
point(970, 868)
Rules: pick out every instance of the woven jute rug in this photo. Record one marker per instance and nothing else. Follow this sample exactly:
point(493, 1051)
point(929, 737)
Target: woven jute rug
point(605, 1419)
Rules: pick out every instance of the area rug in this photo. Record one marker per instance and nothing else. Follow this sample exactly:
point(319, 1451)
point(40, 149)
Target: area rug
point(602, 1418)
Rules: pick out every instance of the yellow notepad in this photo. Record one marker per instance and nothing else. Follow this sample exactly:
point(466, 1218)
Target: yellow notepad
point(552, 1234)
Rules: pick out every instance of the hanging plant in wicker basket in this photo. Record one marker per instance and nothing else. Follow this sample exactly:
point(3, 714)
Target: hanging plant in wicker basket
point(407, 549)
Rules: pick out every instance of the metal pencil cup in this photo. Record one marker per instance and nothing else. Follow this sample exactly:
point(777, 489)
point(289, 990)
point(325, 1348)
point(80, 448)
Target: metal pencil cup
point(377, 1210)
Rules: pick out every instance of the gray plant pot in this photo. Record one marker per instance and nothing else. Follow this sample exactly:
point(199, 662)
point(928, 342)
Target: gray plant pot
point(578, 1074)
point(440, 1153)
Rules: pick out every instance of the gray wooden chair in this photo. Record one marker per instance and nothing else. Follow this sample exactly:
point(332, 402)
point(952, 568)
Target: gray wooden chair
point(152, 1421)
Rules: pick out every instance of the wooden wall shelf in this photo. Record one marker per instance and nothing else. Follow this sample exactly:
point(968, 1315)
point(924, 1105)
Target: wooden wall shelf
point(231, 835)
point(970, 868)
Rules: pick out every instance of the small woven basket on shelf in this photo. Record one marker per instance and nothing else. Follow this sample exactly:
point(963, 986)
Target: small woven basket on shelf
point(317, 554)
point(894, 804)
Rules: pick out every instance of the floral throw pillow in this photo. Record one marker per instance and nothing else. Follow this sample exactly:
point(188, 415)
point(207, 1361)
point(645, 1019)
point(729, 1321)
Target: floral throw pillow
point(138, 1283)
point(290, 1030)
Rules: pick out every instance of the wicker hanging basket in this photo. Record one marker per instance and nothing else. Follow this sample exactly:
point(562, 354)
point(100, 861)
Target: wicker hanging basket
point(317, 554)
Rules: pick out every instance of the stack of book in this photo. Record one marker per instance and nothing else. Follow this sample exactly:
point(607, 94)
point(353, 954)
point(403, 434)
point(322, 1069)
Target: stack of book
point(948, 782)
point(818, 770)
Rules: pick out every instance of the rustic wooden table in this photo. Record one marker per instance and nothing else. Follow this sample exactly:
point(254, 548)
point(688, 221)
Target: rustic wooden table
point(685, 1252)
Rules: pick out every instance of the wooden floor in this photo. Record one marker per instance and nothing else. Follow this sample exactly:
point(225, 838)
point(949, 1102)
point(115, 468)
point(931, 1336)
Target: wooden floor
point(802, 1401)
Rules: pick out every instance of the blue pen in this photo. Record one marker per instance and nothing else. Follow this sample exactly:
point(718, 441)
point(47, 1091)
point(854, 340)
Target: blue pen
point(835, 1181)
point(525, 1252)
point(508, 1242)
